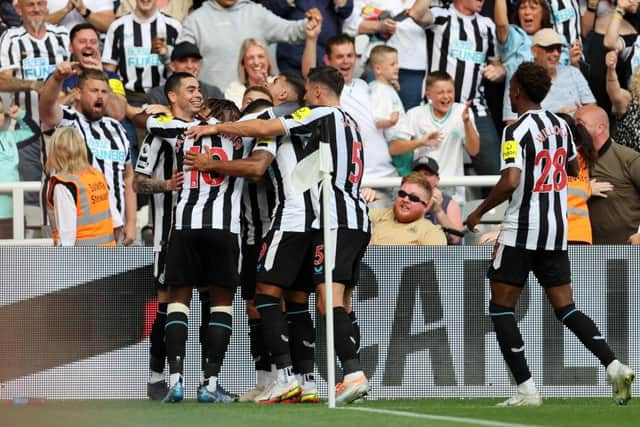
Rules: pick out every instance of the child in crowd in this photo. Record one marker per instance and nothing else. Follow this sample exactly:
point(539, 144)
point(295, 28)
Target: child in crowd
point(9, 140)
point(439, 129)
point(78, 194)
point(385, 101)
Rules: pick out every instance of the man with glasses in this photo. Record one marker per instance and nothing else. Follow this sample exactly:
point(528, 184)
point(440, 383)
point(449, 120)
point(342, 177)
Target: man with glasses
point(404, 223)
point(569, 89)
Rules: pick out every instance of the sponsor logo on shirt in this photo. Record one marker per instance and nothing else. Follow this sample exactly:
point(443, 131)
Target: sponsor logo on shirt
point(141, 57)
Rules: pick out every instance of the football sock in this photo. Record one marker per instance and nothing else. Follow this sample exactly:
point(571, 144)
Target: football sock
point(205, 315)
point(274, 327)
point(587, 332)
point(176, 330)
point(345, 342)
point(302, 337)
point(259, 352)
point(356, 330)
point(158, 348)
point(510, 341)
point(218, 336)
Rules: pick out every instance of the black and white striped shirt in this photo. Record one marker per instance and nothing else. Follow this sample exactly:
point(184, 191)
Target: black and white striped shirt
point(128, 45)
point(108, 150)
point(293, 211)
point(331, 125)
point(207, 200)
point(539, 144)
point(32, 59)
point(565, 15)
point(461, 45)
point(157, 160)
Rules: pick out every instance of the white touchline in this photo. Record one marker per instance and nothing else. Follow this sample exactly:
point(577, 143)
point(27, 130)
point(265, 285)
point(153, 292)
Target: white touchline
point(463, 420)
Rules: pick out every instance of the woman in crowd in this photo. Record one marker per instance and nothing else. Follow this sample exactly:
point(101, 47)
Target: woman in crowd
point(625, 104)
point(78, 194)
point(254, 68)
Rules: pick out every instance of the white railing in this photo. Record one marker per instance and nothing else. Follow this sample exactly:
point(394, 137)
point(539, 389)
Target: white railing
point(17, 189)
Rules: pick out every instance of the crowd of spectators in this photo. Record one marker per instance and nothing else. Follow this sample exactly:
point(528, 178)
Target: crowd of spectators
point(426, 83)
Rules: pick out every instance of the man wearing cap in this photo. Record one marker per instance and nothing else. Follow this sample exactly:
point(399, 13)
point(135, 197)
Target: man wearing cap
point(569, 89)
point(185, 58)
point(444, 210)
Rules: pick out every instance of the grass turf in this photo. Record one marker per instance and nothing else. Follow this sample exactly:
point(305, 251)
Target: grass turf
point(580, 412)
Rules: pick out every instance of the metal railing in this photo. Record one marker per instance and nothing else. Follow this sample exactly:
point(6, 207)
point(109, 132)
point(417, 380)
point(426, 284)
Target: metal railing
point(17, 190)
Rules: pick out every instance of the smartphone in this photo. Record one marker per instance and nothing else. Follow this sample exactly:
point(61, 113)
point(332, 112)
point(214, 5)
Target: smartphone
point(403, 15)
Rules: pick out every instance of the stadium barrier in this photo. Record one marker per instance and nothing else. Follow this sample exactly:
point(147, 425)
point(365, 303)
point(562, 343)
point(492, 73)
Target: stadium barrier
point(76, 323)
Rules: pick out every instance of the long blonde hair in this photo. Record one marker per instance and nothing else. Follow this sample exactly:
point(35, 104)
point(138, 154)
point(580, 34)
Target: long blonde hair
point(634, 84)
point(67, 152)
point(246, 44)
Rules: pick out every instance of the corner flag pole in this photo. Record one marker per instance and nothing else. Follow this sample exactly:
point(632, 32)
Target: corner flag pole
point(326, 167)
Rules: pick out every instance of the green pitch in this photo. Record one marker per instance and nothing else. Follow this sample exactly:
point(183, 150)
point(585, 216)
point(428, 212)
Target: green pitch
point(580, 412)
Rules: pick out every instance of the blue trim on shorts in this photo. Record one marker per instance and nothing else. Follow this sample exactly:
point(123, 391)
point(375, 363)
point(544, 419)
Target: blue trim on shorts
point(568, 314)
point(185, 324)
point(297, 312)
point(505, 313)
point(224, 325)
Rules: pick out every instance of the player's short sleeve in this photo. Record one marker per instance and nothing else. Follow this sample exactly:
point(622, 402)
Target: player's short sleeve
point(149, 154)
point(301, 121)
point(510, 150)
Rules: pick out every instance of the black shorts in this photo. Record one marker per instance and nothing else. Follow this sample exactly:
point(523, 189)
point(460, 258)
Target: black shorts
point(512, 266)
point(159, 268)
point(203, 258)
point(285, 260)
point(350, 248)
point(248, 271)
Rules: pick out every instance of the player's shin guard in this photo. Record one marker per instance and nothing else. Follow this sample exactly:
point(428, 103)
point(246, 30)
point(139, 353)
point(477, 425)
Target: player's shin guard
point(176, 330)
point(345, 341)
point(259, 352)
point(587, 332)
point(205, 315)
point(356, 330)
point(302, 337)
point(274, 326)
point(158, 348)
point(218, 336)
point(510, 341)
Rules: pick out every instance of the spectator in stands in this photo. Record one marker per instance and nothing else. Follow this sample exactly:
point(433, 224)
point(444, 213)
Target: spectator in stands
point(356, 101)
point(175, 9)
point(402, 34)
point(70, 13)
point(28, 54)
point(254, 93)
point(231, 22)
point(185, 58)
point(614, 218)
point(85, 48)
point(386, 104)
point(626, 104)
point(439, 129)
point(405, 223)
point(334, 12)
point(8, 16)
point(78, 194)
point(10, 137)
point(444, 210)
point(595, 23)
point(255, 67)
point(569, 89)
point(468, 53)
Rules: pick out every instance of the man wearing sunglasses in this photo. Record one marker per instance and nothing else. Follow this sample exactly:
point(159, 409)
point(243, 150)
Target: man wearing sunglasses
point(569, 89)
point(404, 223)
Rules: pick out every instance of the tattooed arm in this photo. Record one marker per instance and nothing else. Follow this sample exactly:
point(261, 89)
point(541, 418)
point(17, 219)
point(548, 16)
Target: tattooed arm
point(146, 185)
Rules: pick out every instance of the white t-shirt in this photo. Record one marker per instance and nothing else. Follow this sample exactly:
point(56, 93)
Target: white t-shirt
point(74, 18)
point(356, 102)
point(420, 121)
point(384, 101)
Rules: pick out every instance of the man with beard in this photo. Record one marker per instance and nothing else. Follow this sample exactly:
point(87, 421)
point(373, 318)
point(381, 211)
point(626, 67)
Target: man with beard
point(404, 223)
point(105, 137)
point(28, 54)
